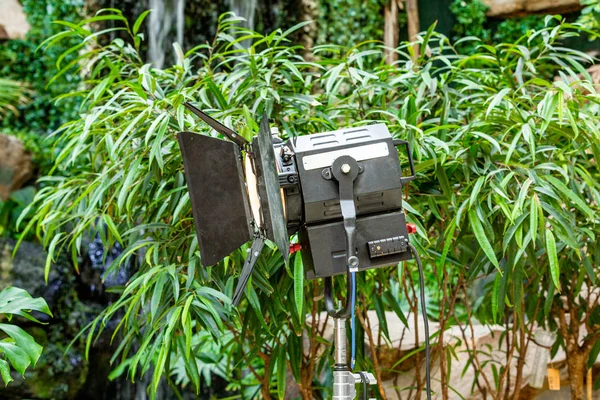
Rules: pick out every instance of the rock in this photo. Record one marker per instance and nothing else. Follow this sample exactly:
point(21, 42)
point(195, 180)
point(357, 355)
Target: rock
point(13, 20)
point(3, 33)
point(505, 8)
point(26, 271)
point(16, 167)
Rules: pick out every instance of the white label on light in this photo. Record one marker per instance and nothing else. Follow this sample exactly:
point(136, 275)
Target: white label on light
point(360, 153)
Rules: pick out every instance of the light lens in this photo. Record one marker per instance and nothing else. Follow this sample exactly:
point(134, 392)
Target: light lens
point(252, 187)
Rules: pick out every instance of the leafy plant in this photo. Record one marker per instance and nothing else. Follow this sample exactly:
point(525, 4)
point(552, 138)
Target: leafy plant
point(11, 209)
point(472, 28)
point(22, 63)
point(18, 348)
point(470, 23)
point(590, 16)
point(517, 179)
point(507, 194)
point(12, 93)
point(512, 29)
point(362, 21)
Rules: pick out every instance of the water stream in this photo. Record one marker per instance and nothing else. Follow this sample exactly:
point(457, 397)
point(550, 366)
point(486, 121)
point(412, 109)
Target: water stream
point(165, 14)
point(246, 9)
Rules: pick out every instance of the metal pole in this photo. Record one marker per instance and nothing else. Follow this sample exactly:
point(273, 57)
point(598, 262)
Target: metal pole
point(339, 330)
point(344, 381)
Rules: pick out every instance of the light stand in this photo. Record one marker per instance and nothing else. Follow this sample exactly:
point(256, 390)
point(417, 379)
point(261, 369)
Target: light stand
point(344, 170)
point(344, 381)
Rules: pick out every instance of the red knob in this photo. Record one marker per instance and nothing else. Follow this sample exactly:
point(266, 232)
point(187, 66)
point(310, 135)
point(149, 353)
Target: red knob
point(294, 247)
point(411, 228)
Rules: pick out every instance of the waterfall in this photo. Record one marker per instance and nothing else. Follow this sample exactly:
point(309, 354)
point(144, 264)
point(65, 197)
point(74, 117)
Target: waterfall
point(246, 9)
point(180, 7)
point(164, 14)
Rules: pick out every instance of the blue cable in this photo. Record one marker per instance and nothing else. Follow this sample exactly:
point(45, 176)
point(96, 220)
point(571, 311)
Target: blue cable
point(353, 333)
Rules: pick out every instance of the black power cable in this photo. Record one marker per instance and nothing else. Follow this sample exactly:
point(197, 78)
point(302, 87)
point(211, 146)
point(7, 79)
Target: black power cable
point(365, 385)
point(425, 321)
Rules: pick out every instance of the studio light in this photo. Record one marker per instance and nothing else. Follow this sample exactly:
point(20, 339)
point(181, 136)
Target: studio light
point(341, 191)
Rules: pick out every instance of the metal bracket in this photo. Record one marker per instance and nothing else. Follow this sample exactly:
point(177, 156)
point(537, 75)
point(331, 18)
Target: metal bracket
point(345, 169)
point(253, 254)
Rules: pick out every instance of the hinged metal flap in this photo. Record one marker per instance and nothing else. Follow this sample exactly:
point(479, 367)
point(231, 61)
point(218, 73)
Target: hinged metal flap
point(215, 180)
point(269, 189)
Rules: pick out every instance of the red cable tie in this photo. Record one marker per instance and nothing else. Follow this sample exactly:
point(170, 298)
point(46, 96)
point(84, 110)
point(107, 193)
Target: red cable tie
point(294, 247)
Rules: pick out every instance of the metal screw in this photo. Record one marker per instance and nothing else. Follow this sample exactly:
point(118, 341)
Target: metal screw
point(345, 168)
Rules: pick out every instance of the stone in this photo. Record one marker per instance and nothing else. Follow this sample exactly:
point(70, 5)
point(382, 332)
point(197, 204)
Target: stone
point(13, 20)
point(3, 33)
point(16, 167)
point(508, 8)
point(26, 271)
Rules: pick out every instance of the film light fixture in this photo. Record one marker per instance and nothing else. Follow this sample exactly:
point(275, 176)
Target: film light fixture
point(341, 191)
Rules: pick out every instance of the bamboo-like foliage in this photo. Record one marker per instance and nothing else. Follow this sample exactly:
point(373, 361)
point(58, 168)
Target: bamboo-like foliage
point(507, 194)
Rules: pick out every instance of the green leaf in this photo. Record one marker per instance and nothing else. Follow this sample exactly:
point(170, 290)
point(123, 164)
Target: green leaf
point(481, 237)
point(563, 189)
point(549, 107)
point(16, 356)
point(395, 305)
point(139, 21)
point(521, 199)
point(112, 228)
point(476, 189)
point(157, 295)
point(281, 372)
point(24, 340)
point(5, 372)
point(296, 27)
point(299, 283)
point(448, 240)
point(381, 316)
point(50, 257)
point(332, 77)
point(187, 330)
point(160, 365)
point(553, 258)
point(496, 100)
point(17, 301)
point(186, 310)
point(533, 215)
point(255, 304)
point(444, 182)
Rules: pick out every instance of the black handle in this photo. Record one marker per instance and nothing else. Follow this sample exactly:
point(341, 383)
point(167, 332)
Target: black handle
point(406, 179)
